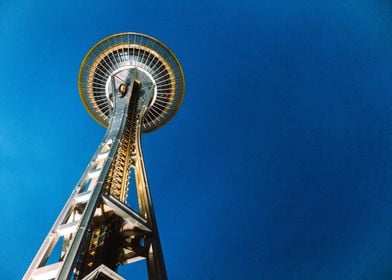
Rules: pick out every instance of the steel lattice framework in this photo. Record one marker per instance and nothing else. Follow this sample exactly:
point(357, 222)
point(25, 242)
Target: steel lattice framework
point(130, 83)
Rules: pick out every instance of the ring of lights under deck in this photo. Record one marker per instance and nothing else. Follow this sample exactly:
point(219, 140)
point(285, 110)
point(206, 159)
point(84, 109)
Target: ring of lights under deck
point(144, 53)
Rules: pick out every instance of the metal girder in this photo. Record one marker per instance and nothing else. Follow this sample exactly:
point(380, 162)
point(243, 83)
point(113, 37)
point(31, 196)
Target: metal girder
point(103, 270)
point(126, 213)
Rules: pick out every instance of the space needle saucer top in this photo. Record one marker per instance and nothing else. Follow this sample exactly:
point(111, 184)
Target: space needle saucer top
point(132, 50)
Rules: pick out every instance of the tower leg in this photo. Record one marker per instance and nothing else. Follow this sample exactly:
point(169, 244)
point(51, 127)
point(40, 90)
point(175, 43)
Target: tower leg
point(155, 261)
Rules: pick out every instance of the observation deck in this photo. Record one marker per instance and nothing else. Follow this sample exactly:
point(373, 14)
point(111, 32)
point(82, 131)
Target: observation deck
point(131, 50)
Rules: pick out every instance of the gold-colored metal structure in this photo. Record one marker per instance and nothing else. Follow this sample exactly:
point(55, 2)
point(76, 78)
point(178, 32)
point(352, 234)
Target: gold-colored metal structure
point(130, 83)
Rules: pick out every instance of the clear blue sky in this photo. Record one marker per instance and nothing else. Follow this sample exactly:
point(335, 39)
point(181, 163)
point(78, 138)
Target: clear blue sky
point(277, 166)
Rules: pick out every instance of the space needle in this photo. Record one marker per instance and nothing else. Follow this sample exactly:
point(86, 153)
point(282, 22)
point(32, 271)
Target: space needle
point(130, 83)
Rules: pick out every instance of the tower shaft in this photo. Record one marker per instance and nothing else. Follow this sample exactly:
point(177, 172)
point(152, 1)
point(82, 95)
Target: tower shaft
point(96, 231)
